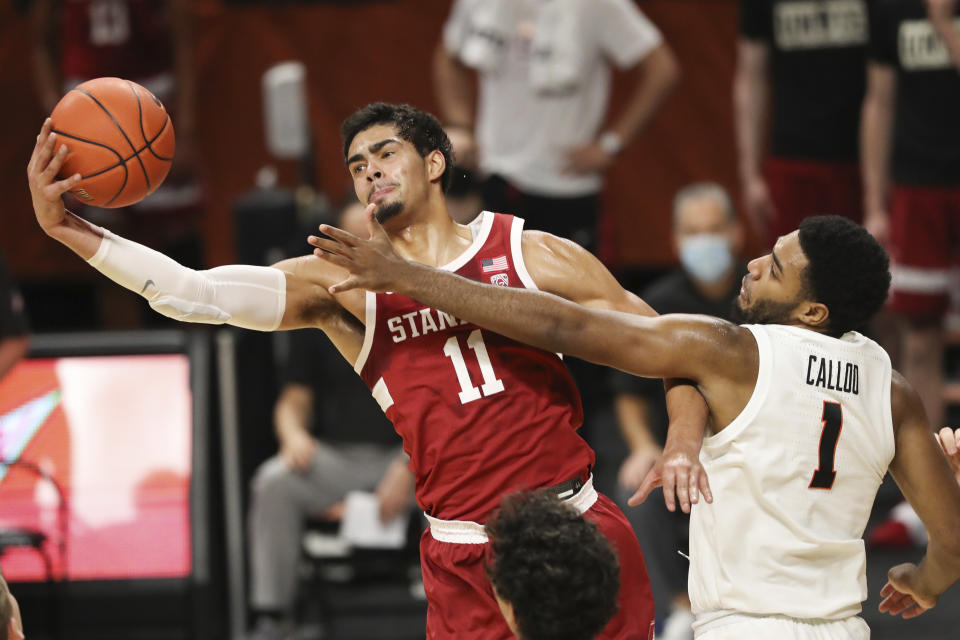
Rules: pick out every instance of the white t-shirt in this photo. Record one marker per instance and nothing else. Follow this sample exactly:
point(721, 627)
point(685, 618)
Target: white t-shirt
point(794, 477)
point(522, 134)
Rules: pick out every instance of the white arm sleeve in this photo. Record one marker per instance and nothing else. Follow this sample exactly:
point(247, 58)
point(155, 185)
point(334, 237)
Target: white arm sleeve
point(240, 295)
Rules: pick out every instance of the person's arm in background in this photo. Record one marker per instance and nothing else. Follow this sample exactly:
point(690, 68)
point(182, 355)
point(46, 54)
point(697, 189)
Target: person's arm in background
point(876, 123)
point(395, 489)
point(292, 414)
point(454, 86)
point(632, 42)
point(943, 16)
point(876, 134)
point(46, 73)
point(926, 480)
point(655, 78)
point(751, 106)
point(633, 406)
point(184, 73)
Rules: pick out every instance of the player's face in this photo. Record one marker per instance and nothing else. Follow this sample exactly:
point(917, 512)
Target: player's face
point(773, 289)
point(387, 171)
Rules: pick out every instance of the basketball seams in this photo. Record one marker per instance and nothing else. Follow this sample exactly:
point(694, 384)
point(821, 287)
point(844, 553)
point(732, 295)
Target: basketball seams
point(120, 159)
point(125, 137)
point(146, 176)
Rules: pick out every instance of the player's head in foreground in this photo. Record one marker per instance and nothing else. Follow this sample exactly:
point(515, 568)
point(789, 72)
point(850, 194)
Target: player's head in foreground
point(11, 626)
point(830, 275)
point(554, 574)
point(398, 156)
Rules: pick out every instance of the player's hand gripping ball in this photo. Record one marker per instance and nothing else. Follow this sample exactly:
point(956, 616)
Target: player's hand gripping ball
point(119, 139)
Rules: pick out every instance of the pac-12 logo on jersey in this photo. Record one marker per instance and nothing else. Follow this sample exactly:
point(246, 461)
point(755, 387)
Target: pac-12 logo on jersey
point(501, 280)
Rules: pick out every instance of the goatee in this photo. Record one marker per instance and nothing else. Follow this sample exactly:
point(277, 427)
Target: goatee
point(762, 312)
point(387, 211)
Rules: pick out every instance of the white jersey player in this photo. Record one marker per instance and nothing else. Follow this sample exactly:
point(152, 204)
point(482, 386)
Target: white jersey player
point(807, 417)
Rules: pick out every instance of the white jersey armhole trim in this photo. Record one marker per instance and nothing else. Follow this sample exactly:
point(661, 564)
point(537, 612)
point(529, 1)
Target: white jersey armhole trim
point(516, 248)
point(764, 373)
point(480, 228)
point(370, 327)
point(891, 446)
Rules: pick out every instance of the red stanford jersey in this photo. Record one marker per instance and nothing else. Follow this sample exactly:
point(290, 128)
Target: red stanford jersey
point(480, 415)
point(124, 38)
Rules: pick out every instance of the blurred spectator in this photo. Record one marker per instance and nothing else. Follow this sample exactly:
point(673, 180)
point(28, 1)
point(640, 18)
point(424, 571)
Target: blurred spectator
point(13, 323)
point(150, 43)
point(708, 238)
point(911, 172)
point(11, 626)
point(800, 68)
point(544, 82)
point(352, 446)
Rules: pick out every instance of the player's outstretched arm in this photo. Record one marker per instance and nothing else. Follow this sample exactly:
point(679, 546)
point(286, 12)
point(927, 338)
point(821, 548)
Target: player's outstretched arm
point(926, 480)
point(676, 346)
point(263, 298)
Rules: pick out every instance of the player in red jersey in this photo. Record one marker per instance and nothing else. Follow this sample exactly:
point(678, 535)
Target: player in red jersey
point(480, 415)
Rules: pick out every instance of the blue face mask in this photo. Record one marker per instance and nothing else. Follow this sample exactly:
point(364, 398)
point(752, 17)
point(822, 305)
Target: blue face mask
point(706, 257)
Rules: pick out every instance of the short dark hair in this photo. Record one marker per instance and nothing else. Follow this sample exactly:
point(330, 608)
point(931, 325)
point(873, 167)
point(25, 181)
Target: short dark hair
point(848, 271)
point(416, 126)
point(556, 569)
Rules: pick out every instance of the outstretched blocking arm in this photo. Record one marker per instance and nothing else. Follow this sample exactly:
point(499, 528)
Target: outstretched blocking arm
point(675, 346)
point(922, 472)
point(287, 296)
point(564, 268)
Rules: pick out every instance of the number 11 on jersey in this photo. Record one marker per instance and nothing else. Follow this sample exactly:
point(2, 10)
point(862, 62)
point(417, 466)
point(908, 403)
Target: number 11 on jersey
point(468, 392)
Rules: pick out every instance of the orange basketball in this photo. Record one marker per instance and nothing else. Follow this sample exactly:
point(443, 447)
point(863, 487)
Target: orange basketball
point(119, 139)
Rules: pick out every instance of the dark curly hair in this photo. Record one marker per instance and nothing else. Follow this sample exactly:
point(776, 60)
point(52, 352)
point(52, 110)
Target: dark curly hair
point(417, 127)
point(848, 271)
point(560, 574)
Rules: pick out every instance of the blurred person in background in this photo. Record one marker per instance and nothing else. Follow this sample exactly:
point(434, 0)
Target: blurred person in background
point(708, 237)
point(544, 80)
point(911, 171)
point(334, 438)
point(910, 146)
point(11, 625)
point(151, 43)
point(14, 339)
point(800, 73)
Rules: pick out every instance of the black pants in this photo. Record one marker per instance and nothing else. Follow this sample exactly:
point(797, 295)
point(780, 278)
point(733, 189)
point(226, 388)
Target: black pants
point(574, 218)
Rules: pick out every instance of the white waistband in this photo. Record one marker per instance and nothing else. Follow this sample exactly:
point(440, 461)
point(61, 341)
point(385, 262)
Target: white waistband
point(467, 532)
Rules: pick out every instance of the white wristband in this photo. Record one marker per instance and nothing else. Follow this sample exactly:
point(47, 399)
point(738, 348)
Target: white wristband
point(610, 142)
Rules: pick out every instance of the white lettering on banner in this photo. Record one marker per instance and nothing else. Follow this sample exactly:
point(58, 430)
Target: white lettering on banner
point(921, 48)
point(820, 24)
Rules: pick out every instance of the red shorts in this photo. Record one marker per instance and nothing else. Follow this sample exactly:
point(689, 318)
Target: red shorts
point(460, 600)
point(924, 244)
point(801, 189)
